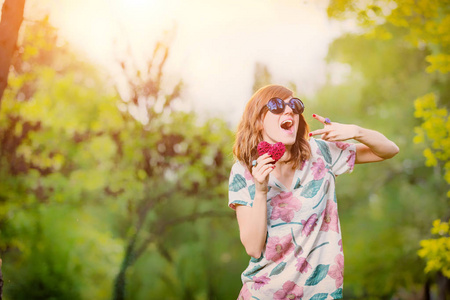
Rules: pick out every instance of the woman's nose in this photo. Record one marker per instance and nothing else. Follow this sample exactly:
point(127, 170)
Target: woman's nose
point(288, 109)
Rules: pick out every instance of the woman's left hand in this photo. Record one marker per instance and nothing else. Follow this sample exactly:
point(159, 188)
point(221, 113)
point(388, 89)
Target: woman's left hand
point(333, 131)
point(373, 146)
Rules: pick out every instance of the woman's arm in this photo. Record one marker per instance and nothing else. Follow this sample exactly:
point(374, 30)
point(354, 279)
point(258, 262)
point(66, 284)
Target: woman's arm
point(253, 225)
point(374, 145)
point(253, 220)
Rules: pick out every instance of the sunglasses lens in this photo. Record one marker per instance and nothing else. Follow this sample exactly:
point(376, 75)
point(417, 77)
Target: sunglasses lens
point(297, 105)
point(276, 105)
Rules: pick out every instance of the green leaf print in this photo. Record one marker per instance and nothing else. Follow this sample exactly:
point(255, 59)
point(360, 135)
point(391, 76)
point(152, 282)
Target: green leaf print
point(253, 271)
point(293, 237)
point(256, 260)
point(325, 191)
point(315, 248)
point(252, 190)
point(297, 184)
point(238, 183)
point(312, 188)
point(320, 296)
point(319, 273)
point(278, 269)
point(240, 202)
point(337, 294)
point(325, 151)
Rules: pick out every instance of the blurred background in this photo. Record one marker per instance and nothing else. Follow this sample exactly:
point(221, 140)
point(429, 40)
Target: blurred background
point(117, 123)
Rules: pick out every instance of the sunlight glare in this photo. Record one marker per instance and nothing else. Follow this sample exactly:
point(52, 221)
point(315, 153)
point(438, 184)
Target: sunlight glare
point(216, 43)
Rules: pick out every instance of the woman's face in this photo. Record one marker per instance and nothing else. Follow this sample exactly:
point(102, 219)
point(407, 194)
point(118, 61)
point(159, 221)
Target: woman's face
point(282, 127)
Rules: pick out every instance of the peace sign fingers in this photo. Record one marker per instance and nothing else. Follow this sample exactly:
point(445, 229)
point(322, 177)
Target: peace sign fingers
point(333, 131)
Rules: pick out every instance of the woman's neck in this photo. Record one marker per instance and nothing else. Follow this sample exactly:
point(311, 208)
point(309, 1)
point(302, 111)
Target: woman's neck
point(284, 172)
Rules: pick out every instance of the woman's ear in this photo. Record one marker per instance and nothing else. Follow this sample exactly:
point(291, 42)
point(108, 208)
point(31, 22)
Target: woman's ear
point(260, 123)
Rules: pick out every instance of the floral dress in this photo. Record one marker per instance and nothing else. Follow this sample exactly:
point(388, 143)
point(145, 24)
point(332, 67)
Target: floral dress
point(303, 257)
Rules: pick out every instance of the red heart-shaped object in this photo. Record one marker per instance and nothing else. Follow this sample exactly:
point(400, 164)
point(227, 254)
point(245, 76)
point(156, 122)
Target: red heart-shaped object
point(276, 151)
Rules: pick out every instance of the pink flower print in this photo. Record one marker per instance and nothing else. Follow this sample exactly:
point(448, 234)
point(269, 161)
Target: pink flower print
point(244, 294)
point(337, 271)
point(260, 281)
point(302, 265)
point(248, 175)
point(309, 225)
point(340, 244)
point(318, 169)
point(342, 145)
point(278, 247)
point(330, 217)
point(284, 206)
point(290, 291)
point(351, 159)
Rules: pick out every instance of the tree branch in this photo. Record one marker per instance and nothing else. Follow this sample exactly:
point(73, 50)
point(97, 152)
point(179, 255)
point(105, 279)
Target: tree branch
point(164, 225)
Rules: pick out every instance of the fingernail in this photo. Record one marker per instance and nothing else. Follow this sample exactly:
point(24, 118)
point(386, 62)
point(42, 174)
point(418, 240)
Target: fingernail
point(310, 134)
point(314, 115)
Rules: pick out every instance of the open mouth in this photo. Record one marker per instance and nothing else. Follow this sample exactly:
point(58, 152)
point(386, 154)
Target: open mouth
point(287, 124)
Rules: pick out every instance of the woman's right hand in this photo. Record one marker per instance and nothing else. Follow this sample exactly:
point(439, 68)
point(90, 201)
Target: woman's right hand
point(262, 170)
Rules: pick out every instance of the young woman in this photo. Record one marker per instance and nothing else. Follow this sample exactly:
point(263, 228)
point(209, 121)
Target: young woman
point(287, 211)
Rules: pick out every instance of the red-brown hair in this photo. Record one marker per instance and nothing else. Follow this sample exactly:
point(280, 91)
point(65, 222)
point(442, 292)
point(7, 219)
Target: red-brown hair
point(249, 132)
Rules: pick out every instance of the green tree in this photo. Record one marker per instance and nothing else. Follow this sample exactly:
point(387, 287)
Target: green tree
point(11, 20)
point(92, 198)
point(174, 173)
point(49, 133)
point(423, 25)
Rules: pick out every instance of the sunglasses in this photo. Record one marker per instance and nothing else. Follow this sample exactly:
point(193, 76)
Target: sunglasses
point(277, 106)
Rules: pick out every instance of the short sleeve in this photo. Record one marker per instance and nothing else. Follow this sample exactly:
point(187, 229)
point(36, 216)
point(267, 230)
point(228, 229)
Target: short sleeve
point(241, 188)
point(340, 156)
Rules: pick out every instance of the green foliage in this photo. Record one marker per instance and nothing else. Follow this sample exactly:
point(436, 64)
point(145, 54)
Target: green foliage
point(426, 23)
point(420, 30)
point(54, 158)
point(437, 251)
point(60, 255)
point(423, 25)
point(90, 197)
point(436, 129)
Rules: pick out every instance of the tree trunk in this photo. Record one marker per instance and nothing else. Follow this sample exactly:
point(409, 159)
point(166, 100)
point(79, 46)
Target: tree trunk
point(443, 284)
point(12, 17)
point(119, 282)
point(426, 289)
